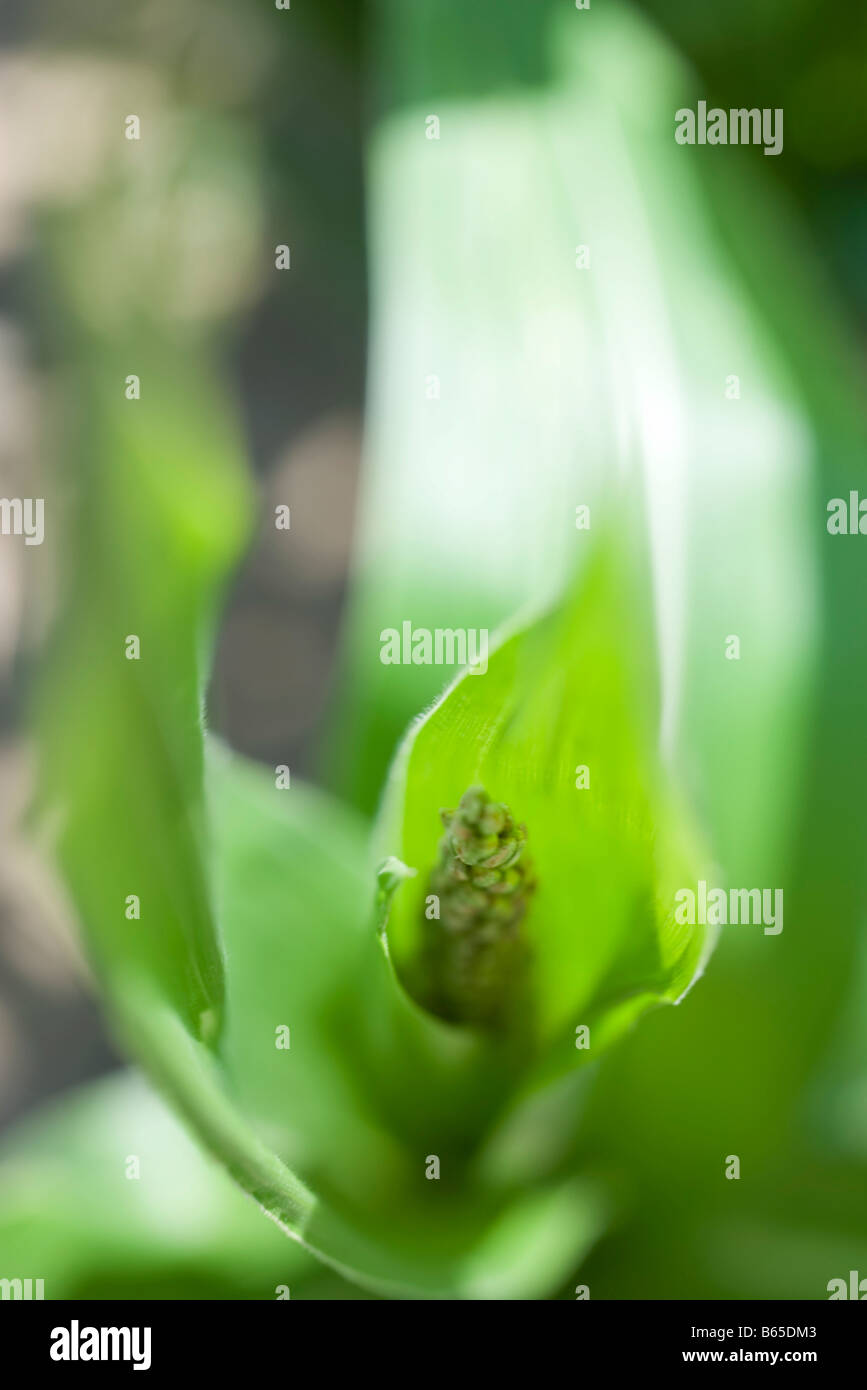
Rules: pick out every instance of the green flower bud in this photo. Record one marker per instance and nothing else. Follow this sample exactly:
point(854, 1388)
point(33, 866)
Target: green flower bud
point(493, 819)
point(474, 957)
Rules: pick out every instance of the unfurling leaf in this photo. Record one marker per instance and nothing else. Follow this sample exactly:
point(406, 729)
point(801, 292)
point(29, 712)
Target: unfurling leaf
point(588, 935)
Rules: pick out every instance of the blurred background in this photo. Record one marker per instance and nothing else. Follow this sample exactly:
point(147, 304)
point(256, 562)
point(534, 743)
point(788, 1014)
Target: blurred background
point(258, 135)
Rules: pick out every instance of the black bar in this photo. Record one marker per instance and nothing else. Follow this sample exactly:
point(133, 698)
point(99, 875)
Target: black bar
point(206, 1338)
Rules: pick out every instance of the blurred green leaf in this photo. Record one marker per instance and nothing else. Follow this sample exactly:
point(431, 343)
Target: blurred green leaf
point(158, 515)
point(509, 386)
point(105, 1195)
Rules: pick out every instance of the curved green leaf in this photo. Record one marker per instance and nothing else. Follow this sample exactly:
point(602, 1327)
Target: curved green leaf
point(610, 848)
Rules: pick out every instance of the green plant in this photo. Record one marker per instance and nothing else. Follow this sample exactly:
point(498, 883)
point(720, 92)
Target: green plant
point(285, 917)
